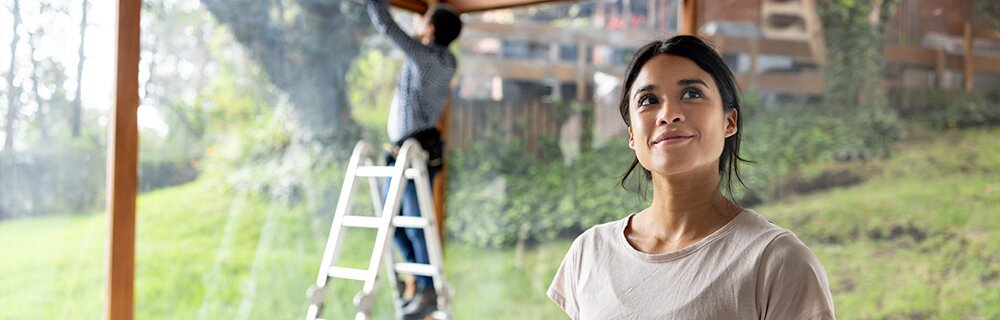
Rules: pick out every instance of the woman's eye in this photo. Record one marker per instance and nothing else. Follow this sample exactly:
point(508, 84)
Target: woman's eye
point(648, 100)
point(691, 94)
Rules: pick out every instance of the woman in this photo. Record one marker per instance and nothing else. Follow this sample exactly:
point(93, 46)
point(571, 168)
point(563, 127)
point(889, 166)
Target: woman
point(693, 253)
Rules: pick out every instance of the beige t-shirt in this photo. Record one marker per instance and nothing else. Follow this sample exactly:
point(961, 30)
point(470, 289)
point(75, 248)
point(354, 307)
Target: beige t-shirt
point(748, 269)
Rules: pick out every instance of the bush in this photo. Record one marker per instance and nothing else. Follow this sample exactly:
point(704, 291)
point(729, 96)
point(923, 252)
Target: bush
point(500, 195)
point(781, 138)
point(57, 178)
point(946, 110)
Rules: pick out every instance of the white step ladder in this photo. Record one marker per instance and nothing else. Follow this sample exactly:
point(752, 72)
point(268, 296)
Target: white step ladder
point(411, 165)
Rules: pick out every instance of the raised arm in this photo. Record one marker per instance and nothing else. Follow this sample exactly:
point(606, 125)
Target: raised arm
point(378, 12)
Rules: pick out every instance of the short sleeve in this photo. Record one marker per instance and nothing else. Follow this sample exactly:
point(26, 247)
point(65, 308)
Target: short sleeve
point(791, 282)
point(562, 291)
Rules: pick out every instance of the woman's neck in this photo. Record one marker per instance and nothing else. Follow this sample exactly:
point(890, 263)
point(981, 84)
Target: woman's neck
point(686, 208)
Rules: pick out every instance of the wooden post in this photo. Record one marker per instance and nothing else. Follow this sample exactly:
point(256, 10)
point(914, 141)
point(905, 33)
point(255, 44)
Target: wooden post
point(754, 54)
point(940, 68)
point(651, 14)
point(689, 17)
point(122, 172)
point(967, 73)
point(581, 67)
point(440, 182)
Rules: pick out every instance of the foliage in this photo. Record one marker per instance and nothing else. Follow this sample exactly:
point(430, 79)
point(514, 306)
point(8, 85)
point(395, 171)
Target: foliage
point(306, 49)
point(989, 11)
point(63, 177)
point(853, 73)
point(500, 195)
point(855, 106)
point(941, 110)
point(373, 78)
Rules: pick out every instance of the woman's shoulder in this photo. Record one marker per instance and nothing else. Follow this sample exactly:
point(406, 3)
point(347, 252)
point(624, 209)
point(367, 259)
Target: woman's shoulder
point(781, 246)
point(600, 235)
point(775, 241)
point(751, 224)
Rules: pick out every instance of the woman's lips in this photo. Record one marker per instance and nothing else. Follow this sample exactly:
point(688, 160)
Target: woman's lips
point(673, 140)
point(672, 137)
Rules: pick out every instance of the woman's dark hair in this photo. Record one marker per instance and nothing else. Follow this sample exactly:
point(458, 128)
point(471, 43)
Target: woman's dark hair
point(447, 24)
point(705, 56)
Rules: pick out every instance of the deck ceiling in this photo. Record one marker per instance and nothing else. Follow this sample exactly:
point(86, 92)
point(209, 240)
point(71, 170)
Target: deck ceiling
point(465, 6)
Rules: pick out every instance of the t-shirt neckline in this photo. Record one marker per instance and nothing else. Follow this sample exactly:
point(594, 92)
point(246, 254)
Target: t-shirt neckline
point(670, 256)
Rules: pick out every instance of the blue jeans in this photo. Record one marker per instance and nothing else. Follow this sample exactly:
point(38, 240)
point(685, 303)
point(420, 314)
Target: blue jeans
point(410, 241)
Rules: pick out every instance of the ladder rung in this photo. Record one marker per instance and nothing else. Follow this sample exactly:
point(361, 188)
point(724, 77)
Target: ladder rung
point(362, 222)
point(419, 269)
point(409, 222)
point(348, 273)
point(376, 222)
point(382, 172)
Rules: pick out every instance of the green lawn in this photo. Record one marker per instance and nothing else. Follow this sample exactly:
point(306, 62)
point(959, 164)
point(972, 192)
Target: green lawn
point(919, 240)
point(202, 254)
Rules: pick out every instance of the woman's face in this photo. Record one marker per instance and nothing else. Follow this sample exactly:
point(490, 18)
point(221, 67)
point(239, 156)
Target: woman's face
point(678, 124)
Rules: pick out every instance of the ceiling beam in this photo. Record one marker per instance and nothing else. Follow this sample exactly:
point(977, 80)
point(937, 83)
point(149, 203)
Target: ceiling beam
point(468, 6)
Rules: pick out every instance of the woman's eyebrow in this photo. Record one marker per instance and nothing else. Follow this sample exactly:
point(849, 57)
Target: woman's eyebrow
point(648, 87)
point(685, 82)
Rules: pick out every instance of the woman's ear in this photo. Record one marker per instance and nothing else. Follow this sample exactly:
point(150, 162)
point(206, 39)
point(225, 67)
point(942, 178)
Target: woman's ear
point(731, 127)
point(631, 139)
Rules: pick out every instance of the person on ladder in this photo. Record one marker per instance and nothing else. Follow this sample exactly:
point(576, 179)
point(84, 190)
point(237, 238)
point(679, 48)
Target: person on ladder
point(420, 97)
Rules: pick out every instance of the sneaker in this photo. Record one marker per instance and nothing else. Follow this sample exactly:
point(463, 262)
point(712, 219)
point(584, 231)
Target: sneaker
point(424, 303)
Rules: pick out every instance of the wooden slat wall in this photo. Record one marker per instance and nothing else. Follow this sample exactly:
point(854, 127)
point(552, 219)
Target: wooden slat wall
point(527, 120)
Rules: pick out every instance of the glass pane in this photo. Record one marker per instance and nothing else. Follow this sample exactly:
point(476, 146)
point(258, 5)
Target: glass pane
point(253, 108)
point(870, 143)
point(55, 98)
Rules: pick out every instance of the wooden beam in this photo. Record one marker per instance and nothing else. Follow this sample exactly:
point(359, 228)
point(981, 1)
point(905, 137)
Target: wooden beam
point(929, 58)
point(799, 83)
point(689, 17)
point(122, 172)
point(417, 6)
point(465, 6)
point(632, 38)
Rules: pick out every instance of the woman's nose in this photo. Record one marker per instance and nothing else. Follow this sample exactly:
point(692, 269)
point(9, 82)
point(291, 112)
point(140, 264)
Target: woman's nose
point(669, 114)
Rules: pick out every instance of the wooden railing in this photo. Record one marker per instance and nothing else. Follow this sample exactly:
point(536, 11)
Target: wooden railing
point(807, 81)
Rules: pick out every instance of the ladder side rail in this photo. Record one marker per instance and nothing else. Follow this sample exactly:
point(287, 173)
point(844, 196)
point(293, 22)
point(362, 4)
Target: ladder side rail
point(426, 202)
point(344, 204)
point(393, 198)
point(377, 203)
point(336, 237)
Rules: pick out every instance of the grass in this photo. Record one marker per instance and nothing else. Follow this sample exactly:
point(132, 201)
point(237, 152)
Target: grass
point(202, 254)
point(918, 240)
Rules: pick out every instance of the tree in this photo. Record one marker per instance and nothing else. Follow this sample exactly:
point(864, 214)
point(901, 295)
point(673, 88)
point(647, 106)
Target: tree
point(989, 11)
point(12, 91)
point(853, 76)
point(305, 48)
point(76, 112)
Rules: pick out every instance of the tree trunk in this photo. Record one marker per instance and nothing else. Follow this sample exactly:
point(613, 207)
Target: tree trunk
point(77, 111)
point(40, 123)
point(306, 56)
point(12, 92)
